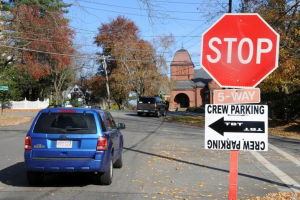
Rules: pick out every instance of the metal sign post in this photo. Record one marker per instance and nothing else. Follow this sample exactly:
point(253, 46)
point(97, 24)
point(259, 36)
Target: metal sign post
point(234, 157)
point(3, 88)
point(238, 51)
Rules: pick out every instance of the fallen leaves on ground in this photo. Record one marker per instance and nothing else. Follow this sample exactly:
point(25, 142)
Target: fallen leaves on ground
point(197, 121)
point(282, 131)
point(9, 119)
point(279, 196)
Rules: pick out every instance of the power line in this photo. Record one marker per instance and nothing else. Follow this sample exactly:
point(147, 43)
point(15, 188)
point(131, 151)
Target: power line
point(169, 11)
point(191, 33)
point(86, 45)
point(181, 19)
point(85, 31)
point(94, 57)
point(172, 18)
point(180, 2)
point(77, 56)
point(194, 44)
point(38, 51)
point(297, 2)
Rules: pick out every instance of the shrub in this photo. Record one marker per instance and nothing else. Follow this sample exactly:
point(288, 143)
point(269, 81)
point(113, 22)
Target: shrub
point(191, 109)
point(284, 107)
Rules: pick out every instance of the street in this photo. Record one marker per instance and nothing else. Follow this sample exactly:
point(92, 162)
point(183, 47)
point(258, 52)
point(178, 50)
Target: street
point(161, 161)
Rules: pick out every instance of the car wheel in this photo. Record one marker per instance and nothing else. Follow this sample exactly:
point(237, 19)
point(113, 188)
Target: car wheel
point(158, 114)
point(106, 177)
point(119, 161)
point(34, 178)
point(164, 113)
point(139, 114)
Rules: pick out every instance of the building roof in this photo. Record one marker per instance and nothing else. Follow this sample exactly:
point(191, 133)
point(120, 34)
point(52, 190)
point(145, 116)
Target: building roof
point(182, 58)
point(201, 79)
point(184, 85)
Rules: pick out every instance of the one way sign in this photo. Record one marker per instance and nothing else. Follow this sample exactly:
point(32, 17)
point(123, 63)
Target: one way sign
point(236, 127)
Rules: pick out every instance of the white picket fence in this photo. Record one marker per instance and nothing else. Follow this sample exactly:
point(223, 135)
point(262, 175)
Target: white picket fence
point(27, 104)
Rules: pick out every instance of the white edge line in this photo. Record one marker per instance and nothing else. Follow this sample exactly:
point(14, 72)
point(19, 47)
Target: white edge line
point(286, 155)
point(292, 184)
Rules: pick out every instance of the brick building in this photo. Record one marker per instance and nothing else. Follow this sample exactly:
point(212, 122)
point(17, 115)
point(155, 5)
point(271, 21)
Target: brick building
point(192, 87)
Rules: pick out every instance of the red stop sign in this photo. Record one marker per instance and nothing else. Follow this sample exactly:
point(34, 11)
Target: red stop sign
point(239, 50)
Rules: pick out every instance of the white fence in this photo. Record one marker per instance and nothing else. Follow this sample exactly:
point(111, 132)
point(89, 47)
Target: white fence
point(27, 104)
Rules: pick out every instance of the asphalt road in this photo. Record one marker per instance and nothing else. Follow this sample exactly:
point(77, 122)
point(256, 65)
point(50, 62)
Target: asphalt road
point(161, 161)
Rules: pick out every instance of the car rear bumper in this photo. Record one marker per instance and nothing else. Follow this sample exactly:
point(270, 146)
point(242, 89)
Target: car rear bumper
point(146, 111)
point(64, 164)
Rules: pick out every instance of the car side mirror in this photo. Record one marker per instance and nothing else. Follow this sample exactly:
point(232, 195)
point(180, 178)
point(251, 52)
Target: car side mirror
point(121, 126)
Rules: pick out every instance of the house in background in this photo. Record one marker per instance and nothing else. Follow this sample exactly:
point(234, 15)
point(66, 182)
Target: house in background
point(73, 93)
point(192, 87)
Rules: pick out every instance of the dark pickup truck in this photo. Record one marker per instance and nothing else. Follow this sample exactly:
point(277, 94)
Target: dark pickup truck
point(151, 105)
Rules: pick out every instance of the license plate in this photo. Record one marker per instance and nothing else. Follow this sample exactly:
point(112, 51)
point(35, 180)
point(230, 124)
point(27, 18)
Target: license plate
point(64, 144)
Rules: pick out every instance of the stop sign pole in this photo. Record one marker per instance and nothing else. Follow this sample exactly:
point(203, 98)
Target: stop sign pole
point(233, 174)
point(239, 51)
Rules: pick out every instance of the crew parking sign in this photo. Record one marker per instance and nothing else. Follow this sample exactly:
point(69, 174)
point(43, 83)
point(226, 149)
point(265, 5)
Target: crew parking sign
point(236, 127)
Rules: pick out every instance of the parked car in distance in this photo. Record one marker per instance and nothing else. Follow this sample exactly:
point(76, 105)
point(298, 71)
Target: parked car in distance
point(73, 140)
point(151, 105)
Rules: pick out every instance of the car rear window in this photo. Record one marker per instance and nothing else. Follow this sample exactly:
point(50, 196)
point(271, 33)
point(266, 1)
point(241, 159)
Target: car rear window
point(66, 123)
point(146, 100)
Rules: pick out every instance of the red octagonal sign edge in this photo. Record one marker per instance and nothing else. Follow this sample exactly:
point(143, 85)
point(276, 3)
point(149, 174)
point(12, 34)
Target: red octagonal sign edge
point(240, 50)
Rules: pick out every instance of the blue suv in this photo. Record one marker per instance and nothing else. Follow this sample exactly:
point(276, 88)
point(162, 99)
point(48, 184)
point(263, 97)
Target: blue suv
point(73, 140)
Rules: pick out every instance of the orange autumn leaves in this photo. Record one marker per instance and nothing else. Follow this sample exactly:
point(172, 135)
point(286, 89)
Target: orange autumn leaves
point(44, 40)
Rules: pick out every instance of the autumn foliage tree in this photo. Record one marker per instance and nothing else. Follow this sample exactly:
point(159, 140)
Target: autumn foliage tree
point(134, 64)
point(281, 89)
point(43, 42)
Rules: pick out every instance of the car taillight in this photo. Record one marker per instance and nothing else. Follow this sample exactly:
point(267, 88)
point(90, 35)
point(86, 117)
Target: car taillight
point(155, 106)
point(102, 143)
point(67, 111)
point(28, 143)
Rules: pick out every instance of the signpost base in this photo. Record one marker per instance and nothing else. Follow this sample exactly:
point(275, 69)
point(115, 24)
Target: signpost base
point(234, 155)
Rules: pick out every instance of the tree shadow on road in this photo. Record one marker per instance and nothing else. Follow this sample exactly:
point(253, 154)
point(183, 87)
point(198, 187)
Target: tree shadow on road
point(214, 168)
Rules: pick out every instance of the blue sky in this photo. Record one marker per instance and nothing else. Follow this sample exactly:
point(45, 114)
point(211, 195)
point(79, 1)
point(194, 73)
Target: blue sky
point(185, 19)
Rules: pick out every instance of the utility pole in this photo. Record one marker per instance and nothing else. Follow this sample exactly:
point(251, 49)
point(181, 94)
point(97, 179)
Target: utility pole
point(1, 32)
point(230, 6)
point(106, 79)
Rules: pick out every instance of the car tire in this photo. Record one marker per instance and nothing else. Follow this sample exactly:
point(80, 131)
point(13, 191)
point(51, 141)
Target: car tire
point(106, 177)
point(119, 161)
point(158, 114)
point(139, 114)
point(164, 113)
point(34, 178)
